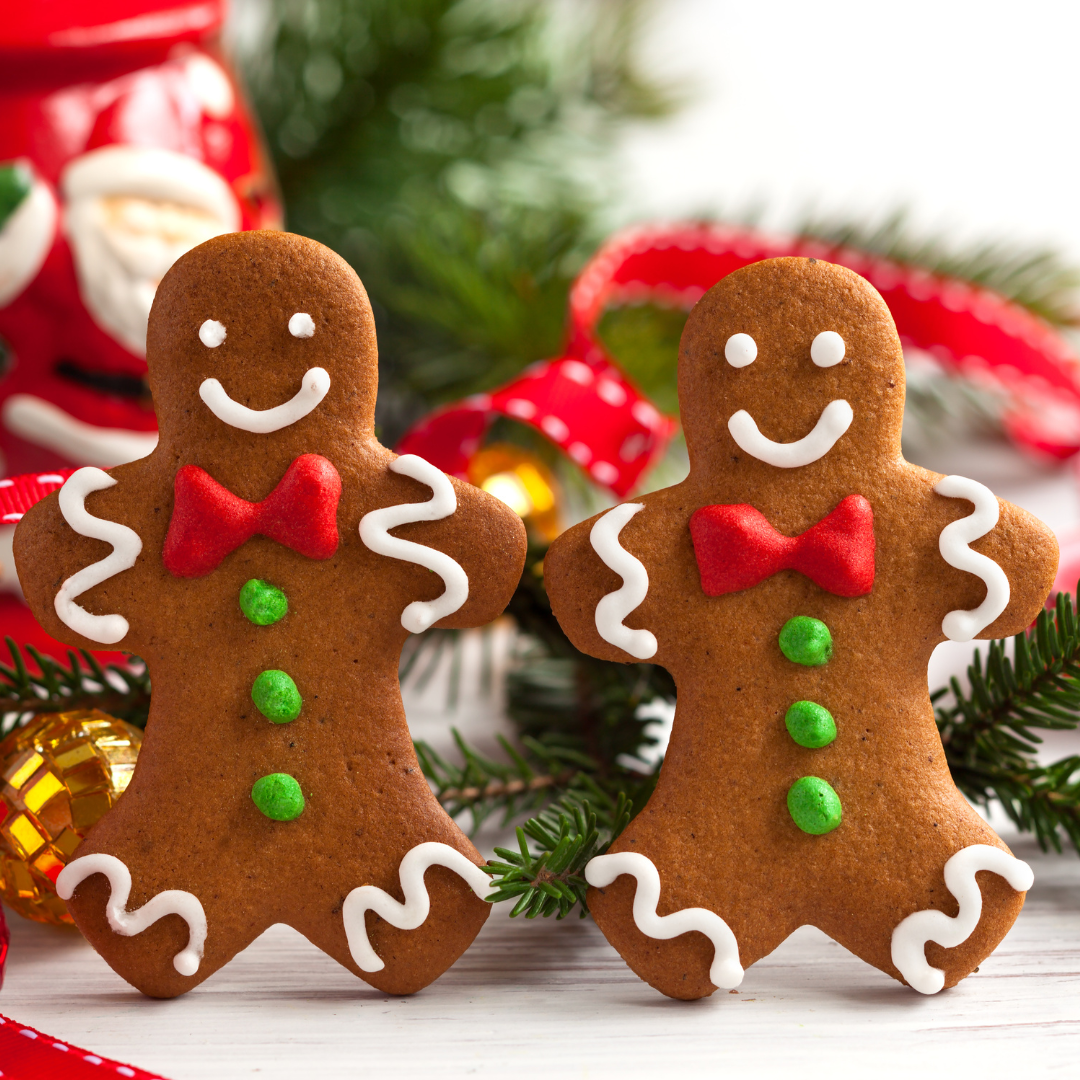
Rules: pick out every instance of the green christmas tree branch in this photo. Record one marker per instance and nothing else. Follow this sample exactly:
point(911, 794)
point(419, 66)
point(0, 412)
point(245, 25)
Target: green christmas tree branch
point(990, 732)
point(82, 683)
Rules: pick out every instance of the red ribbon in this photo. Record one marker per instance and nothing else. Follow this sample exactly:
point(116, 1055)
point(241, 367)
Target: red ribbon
point(209, 521)
point(584, 404)
point(737, 548)
point(30, 1054)
point(19, 493)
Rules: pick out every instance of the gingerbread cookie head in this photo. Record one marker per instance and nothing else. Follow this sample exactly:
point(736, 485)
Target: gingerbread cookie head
point(268, 561)
point(278, 326)
point(791, 371)
point(795, 585)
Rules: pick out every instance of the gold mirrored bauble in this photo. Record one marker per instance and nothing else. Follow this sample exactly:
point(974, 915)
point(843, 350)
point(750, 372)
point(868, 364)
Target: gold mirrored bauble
point(60, 773)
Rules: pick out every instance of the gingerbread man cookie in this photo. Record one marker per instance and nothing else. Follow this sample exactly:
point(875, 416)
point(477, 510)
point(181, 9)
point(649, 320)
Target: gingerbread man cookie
point(268, 561)
point(795, 585)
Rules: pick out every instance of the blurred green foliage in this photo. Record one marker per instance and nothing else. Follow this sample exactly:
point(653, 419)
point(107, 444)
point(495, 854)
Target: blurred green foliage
point(458, 154)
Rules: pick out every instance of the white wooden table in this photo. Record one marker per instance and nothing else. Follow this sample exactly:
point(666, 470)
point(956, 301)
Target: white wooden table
point(544, 998)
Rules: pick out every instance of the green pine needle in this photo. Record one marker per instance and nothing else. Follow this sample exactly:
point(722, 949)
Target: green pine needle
point(550, 880)
point(990, 733)
point(82, 683)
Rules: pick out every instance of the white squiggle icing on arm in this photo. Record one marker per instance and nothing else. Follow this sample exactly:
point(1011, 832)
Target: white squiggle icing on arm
point(313, 389)
point(411, 914)
point(726, 972)
point(910, 937)
point(375, 532)
point(613, 608)
point(953, 544)
point(129, 923)
point(108, 629)
point(834, 420)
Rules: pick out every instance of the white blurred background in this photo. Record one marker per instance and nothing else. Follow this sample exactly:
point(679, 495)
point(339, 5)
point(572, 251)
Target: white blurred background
point(965, 112)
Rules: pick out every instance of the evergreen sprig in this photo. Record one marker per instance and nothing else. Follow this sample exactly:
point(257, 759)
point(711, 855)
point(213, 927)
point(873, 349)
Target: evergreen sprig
point(483, 786)
point(82, 683)
point(568, 834)
point(990, 732)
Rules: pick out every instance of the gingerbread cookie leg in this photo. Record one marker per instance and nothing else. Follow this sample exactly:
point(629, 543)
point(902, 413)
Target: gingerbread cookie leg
point(967, 878)
point(401, 945)
point(162, 939)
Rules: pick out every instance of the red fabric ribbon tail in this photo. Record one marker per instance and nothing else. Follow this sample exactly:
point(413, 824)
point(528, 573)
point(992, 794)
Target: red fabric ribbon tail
point(29, 1054)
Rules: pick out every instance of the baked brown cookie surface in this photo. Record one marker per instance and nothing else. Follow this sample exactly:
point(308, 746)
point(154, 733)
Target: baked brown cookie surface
point(795, 585)
point(268, 561)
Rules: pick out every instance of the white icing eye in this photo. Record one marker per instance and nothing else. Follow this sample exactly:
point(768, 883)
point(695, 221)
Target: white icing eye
point(211, 333)
point(828, 349)
point(302, 325)
point(740, 350)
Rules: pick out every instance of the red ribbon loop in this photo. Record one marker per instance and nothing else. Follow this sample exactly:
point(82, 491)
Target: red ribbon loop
point(209, 521)
point(737, 548)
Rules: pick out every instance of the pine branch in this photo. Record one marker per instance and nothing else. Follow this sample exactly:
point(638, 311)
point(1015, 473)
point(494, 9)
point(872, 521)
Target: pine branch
point(532, 777)
point(990, 734)
point(80, 684)
point(568, 834)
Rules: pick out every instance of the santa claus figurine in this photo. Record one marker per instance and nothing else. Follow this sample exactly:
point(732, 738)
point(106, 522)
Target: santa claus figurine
point(124, 142)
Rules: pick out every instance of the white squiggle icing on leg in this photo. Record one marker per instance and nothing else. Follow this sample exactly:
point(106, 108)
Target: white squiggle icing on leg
point(726, 972)
point(127, 544)
point(129, 923)
point(614, 607)
point(910, 937)
point(411, 914)
point(953, 544)
point(375, 532)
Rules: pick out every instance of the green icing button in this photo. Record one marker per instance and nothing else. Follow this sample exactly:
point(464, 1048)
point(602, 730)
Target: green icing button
point(264, 604)
point(810, 725)
point(806, 641)
point(278, 796)
point(276, 697)
point(813, 805)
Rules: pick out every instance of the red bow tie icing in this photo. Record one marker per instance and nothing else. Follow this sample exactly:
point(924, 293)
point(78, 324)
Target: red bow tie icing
point(737, 548)
point(208, 521)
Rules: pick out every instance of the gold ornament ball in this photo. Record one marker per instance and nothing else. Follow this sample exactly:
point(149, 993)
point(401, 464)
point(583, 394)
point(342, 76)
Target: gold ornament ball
point(60, 774)
point(520, 479)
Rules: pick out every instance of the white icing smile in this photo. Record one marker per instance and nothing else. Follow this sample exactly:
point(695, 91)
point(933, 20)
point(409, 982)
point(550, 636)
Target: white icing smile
point(834, 420)
point(313, 389)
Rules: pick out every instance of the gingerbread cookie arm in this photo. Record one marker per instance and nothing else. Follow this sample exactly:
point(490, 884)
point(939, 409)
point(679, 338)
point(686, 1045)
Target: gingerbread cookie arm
point(1007, 559)
point(472, 543)
point(597, 579)
point(78, 564)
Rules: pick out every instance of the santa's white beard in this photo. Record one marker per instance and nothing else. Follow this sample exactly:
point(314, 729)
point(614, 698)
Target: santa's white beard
point(123, 246)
